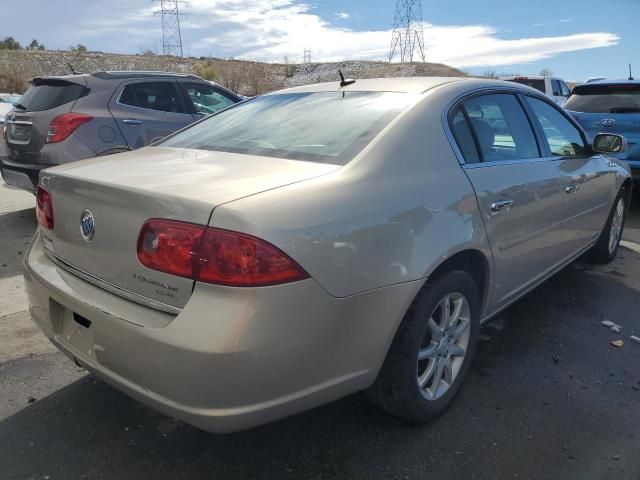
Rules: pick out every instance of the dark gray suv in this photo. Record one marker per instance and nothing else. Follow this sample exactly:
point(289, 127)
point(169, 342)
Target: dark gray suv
point(74, 117)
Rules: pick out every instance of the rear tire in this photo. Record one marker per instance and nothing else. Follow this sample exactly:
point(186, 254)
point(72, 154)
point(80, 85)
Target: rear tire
point(606, 248)
point(425, 365)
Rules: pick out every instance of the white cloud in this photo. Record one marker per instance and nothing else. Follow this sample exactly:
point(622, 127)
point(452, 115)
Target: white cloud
point(267, 31)
point(553, 22)
point(342, 15)
point(272, 29)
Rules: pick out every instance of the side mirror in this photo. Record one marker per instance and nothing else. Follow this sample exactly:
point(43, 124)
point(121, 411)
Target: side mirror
point(609, 143)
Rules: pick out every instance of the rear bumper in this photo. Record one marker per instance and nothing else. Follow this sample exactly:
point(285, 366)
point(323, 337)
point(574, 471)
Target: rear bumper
point(232, 358)
point(18, 167)
point(16, 175)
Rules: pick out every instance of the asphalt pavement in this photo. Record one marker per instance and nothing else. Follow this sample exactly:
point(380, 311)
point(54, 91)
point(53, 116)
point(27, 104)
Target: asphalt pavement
point(549, 397)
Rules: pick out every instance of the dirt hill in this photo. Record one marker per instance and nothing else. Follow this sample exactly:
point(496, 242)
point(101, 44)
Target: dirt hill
point(17, 67)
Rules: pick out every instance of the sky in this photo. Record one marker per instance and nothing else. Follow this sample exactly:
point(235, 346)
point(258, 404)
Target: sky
point(575, 39)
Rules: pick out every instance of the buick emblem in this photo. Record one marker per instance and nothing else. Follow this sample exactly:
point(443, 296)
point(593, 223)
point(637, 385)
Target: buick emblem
point(607, 122)
point(87, 225)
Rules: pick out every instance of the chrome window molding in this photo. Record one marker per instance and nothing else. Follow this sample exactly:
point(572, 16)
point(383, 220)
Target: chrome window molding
point(111, 288)
point(506, 89)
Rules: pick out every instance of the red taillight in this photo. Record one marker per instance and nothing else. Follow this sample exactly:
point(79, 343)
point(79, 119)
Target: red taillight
point(213, 255)
point(64, 125)
point(44, 208)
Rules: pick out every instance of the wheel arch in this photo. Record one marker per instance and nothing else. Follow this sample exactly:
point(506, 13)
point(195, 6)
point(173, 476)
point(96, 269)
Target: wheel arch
point(471, 261)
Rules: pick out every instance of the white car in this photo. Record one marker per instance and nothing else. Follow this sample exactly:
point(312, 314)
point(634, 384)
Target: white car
point(556, 88)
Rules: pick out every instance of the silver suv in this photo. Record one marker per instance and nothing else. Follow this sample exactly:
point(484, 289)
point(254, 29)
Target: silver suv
point(74, 117)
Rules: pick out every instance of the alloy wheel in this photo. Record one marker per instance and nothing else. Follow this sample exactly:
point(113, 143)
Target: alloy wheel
point(444, 346)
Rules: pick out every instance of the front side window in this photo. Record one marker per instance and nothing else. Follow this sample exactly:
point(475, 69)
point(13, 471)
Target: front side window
point(564, 89)
point(327, 127)
point(557, 90)
point(160, 96)
point(605, 99)
point(206, 99)
point(563, 138)
point(500, 128)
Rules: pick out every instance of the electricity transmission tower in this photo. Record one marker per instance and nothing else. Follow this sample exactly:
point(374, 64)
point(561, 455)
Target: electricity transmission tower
point(307, 55)
point(171, 35)
point(408, 36)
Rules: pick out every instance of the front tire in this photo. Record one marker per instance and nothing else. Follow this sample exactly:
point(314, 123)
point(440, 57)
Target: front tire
point(431, 351)
point(606, 248)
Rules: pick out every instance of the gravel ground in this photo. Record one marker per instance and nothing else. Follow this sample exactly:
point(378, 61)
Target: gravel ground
point(548, 398)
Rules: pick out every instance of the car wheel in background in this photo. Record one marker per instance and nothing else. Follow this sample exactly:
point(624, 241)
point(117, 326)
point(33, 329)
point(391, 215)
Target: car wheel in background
point(432, 350)
point(606, 248)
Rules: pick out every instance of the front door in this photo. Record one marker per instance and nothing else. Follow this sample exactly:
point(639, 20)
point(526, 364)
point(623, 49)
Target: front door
point(590, 180)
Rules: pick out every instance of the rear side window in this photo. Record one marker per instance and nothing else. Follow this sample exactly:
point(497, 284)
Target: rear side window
point(160, 96)
point(206, 99)
point(464, 137)
point(605, 99)
point(45, 96)
point(537, 84)
point(500, 127)
point(563, 137)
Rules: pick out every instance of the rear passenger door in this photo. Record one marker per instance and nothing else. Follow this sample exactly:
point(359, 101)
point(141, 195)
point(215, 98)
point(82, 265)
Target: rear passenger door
point(520, 190)
point(147, 110)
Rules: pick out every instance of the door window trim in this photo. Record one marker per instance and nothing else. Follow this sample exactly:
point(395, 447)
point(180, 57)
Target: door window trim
point(178, 92)
point(544, 149)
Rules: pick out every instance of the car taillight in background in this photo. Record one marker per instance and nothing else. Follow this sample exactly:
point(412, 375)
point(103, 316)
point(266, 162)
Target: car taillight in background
point(214, 255)
point(44, 208)
point(64, 125)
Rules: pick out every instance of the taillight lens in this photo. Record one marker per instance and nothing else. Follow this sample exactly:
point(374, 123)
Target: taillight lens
point(44, 208)
point(214, 255)
point(64, 125)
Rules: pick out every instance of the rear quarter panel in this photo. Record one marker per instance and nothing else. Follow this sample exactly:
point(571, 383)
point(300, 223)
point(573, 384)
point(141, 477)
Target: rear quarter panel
point(392, 215)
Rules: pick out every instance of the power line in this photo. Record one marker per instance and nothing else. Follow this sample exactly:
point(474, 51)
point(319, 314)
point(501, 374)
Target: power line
point(171, 34)
point(408, 35)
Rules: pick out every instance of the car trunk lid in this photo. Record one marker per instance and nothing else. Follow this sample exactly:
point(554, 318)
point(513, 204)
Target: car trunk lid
point(125, 190)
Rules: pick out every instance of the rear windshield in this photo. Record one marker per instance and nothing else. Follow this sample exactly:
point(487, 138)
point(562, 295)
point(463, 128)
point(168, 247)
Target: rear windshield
point(327, 127)
point(45, 96)
point(537, 84)
point(605, 99)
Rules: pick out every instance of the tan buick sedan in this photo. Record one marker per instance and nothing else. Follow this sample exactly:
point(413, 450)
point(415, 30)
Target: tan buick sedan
point(317, 241)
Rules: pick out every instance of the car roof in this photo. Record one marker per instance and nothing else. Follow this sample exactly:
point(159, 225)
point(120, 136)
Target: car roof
point(120, 74)
point(606, 82)
point(413, 85)
point(395, 84)
point(116, 75)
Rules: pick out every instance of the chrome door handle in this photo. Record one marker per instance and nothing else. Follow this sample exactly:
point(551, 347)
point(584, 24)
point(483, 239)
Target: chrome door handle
point(571, 188)
point(499, 205)
point(131, 121)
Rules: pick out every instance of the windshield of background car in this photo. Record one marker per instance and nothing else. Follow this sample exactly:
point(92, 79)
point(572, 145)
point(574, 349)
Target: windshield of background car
point(605, 99)
point(327, 127)
point(537, 84)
